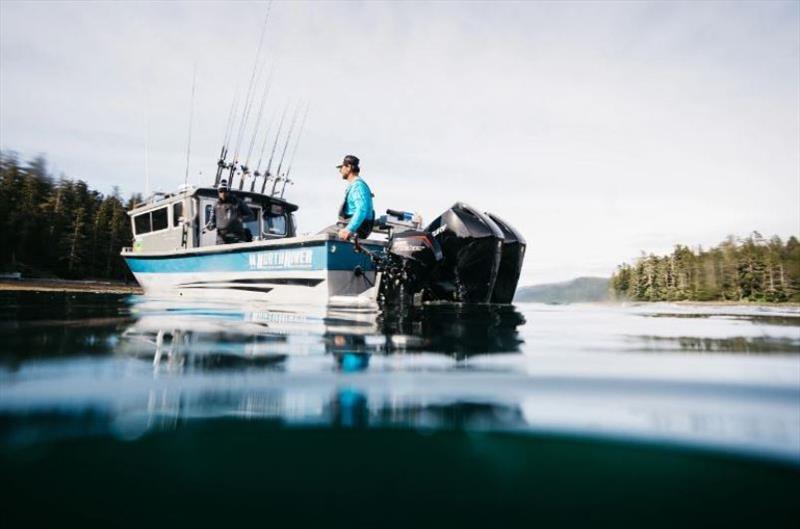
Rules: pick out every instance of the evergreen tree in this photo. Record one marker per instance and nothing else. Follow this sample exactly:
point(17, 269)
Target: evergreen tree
point(791, 268)
point(61, 228)
point(76, 243)
point(748, 269)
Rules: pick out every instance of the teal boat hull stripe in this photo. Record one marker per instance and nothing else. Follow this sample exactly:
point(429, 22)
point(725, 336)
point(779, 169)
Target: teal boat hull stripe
point(328, 255)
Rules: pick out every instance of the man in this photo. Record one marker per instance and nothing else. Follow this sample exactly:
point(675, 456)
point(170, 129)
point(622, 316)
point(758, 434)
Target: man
point(356, 213)
point(228, 216)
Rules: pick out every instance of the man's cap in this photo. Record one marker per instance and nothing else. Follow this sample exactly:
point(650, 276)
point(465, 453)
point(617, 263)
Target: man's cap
point(350, 160)
point(223, 186)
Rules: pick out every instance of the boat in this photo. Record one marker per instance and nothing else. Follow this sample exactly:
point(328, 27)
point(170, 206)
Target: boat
point(462, 256)
point(173, 255)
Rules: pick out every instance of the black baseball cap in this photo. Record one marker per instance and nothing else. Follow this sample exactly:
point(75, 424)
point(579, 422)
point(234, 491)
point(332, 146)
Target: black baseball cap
point(350, 160)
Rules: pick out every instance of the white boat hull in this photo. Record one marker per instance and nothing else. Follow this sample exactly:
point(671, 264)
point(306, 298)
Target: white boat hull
point(314, 270)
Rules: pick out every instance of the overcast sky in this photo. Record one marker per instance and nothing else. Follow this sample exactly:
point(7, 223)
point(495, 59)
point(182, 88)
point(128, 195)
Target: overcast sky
point(598, 129)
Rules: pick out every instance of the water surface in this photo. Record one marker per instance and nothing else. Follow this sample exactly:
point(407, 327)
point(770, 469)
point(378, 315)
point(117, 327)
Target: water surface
point(142, 411)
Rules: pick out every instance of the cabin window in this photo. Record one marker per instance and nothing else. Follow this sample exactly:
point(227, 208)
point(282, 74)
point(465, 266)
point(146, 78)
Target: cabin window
point(276, 225)
point(252, 225)
point(160, 221)
point(141, 223)
point(177, 213)
point(208, 213)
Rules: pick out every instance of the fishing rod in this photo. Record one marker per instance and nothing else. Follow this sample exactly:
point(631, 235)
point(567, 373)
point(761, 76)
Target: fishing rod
point(285, 147)
point(191, 118)
point(224, 150)
point(257, 173)
point(267, 174)
point(231, 119)
point(248, 97)
point(235, 164)
point(245, 167)
point(286, 179)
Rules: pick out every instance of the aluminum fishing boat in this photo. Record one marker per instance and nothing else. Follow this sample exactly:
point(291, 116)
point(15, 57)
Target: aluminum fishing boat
point(173, 255)
point(462, 256)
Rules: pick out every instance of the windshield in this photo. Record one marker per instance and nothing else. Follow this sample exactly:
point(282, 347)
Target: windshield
point(275, 225)
point(252, 225)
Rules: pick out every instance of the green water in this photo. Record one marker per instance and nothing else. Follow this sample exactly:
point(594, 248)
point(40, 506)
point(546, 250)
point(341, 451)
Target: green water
point(125, 412)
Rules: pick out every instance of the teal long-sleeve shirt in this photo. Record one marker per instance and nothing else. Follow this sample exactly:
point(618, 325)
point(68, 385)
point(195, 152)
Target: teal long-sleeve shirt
point(358, 200)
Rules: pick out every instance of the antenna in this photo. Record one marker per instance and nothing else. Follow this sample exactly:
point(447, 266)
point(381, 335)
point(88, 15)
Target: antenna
point(146, 139)
point(191, 118)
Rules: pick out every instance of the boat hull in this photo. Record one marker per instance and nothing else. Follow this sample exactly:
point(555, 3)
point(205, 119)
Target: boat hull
point(304, 270)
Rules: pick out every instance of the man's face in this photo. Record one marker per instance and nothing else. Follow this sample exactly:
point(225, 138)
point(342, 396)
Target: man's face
point(344, 171)
point(223, 194)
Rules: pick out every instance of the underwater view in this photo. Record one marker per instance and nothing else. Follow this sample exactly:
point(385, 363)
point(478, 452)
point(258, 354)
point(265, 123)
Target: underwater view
point(127, 411)
point(388, 264)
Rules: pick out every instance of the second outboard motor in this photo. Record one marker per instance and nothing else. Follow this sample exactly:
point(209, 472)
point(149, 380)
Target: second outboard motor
point(513, 253)
point(471, 245)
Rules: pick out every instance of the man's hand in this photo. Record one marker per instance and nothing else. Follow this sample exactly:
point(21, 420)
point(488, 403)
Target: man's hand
point(345, 234)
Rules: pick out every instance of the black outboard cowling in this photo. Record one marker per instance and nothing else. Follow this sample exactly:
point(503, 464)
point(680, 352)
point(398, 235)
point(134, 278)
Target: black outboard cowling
point(411, 258)
point(471, 245)
point(463, 256)
point(420, 253)
point(512, 255)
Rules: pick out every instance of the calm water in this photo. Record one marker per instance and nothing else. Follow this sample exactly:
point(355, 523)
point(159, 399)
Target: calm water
point(126, 411)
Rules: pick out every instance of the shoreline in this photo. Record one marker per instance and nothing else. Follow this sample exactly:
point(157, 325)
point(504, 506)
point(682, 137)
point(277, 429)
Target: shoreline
point(732, 303)
point(69, 285)
point(118, 287)
point(721, 303)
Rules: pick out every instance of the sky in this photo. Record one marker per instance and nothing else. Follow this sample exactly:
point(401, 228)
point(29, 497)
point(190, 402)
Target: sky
point(599, 130)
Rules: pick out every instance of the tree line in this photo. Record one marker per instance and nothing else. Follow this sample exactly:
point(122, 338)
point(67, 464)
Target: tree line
point(744, 269)
point(59, 227)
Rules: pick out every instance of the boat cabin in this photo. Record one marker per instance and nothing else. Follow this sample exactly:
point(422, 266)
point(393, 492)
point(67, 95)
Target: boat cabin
point(176, 221)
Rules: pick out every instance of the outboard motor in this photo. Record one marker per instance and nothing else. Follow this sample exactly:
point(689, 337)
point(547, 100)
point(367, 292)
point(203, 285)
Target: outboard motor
point(471, 245)
point(464, 256)
point(512, 255)
point(411, 259)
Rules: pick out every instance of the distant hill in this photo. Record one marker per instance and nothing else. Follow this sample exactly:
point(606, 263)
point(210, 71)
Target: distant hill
point(573, 291)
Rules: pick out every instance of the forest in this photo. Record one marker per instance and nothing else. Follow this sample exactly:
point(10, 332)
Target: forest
point(751, 268)
point(58, 226)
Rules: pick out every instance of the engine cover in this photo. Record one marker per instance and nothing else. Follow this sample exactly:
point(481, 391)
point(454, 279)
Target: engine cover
point(471, 246)
point(512, 255)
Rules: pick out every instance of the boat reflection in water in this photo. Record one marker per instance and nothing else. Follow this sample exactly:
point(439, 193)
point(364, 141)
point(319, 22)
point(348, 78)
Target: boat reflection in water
point(210, 337)
point(218, 362)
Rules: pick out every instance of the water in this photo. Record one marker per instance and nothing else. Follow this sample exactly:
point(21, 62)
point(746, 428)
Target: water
point(126, 411)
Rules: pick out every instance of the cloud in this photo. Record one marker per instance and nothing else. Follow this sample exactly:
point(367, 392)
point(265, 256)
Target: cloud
point(598, 129)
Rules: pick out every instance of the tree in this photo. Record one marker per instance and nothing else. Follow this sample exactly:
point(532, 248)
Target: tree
point(76, 241)
point(61, 228)
point(747, 269)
